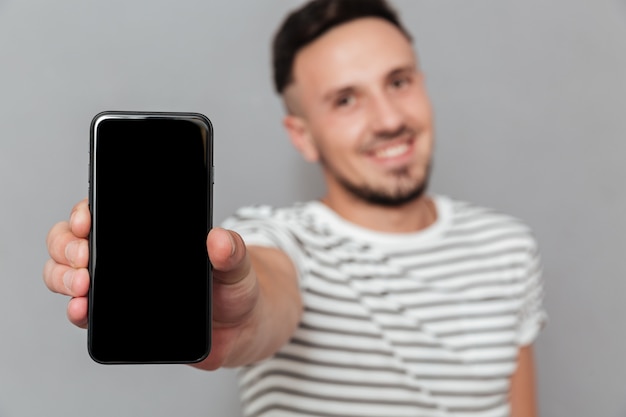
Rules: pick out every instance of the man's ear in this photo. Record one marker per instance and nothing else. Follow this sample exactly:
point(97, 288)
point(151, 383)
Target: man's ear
point(301, 137)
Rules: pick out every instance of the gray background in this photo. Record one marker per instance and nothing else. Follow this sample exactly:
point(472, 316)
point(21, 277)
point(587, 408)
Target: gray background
point(529, 98)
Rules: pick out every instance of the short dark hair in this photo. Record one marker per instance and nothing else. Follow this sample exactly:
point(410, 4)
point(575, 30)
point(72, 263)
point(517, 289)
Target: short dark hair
point(302, 26)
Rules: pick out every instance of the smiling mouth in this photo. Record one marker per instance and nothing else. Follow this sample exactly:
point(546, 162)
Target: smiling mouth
point(392, 150)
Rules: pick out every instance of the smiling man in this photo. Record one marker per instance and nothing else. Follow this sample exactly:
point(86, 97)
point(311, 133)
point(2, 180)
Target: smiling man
point(378, 299)
point(359, 107)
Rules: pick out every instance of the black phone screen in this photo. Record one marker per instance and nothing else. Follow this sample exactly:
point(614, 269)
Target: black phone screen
point(150, 200)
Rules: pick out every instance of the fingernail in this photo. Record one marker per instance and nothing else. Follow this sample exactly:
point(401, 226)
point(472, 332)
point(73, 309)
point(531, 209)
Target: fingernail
point(68, 278)
point(70, 251)
point(72, 217)
point(233, 245)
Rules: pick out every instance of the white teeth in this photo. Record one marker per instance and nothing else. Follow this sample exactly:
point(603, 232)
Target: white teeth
point(392, 151)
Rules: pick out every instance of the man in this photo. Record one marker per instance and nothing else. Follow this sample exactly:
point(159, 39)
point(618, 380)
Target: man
point(379, 299)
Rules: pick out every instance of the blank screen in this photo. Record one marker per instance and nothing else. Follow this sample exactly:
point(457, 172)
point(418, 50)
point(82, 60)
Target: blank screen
point(150, 287)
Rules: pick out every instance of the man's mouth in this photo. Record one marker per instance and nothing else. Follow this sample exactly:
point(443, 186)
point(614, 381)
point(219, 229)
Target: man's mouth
point(392, 151)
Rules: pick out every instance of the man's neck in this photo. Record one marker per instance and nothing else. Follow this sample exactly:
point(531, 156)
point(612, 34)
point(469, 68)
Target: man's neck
point(410, 217)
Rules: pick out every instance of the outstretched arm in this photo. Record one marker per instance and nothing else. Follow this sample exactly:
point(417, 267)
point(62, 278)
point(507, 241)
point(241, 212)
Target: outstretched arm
point(257, 304)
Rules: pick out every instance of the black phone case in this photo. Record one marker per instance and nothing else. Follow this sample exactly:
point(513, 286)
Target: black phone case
point(148, 309)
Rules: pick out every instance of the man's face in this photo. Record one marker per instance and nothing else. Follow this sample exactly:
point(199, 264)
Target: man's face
point(360, 108)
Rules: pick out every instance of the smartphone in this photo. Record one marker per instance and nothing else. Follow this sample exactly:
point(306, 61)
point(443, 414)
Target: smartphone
point(150, 198)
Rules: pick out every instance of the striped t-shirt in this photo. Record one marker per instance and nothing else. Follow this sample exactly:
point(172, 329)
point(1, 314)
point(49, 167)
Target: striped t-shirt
point(418, 324)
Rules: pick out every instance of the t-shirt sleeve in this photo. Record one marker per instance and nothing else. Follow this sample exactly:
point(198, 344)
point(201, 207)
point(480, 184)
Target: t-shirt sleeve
point(532, 315)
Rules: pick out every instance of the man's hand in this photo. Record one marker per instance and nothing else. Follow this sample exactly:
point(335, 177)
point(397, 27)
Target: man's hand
point(256, 302)
point(66, 270)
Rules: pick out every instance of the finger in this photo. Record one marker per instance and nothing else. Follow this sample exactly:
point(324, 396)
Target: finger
point(63, 233)
point(228, 255)
point(77, 311)
point(65, 247)
point(80, 219)
point(235, 287)
point(66, 280)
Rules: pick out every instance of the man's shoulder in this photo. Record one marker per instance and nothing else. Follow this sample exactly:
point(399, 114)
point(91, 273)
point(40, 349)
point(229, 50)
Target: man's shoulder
point(285, 227)
point(295, 212)
point(269, 211)
point(468, 215)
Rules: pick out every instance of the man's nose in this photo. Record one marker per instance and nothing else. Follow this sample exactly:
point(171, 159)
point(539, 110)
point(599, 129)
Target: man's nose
point(385, 116)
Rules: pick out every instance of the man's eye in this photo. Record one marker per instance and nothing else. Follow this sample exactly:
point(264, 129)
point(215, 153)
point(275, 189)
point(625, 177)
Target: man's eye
point(344, 101)
point(400, 82)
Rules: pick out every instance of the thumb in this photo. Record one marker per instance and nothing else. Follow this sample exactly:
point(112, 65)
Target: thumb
point(228, 255)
